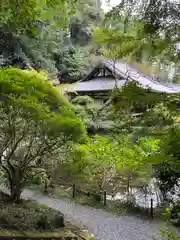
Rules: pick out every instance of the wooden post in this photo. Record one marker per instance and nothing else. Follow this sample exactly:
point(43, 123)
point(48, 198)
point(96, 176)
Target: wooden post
point(104, 198)
point(74, 191)
point(45, 186)
point(151, 209)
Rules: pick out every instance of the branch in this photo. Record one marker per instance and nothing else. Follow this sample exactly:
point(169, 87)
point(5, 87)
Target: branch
point(16, 144)
point(5, 146)
point(14, 148)
point(39, 154)
point(28, 152)
point(36, 167)
point(7, 170)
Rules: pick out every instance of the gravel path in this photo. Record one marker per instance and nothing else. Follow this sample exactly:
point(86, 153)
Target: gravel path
point(103, 225)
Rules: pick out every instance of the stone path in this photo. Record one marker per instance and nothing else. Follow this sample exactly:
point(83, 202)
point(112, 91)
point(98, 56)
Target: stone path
point(103, 225)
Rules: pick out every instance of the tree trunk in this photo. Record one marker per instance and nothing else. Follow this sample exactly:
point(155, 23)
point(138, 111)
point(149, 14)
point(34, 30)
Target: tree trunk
point(128, 188)
point(16, 191)
point(16, 185)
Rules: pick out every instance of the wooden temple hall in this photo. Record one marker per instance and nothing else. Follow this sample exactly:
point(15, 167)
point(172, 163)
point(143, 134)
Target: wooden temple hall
point(103, 78)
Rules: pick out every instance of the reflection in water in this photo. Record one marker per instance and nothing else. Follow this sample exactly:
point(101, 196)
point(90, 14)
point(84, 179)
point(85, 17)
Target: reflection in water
point(140, 196)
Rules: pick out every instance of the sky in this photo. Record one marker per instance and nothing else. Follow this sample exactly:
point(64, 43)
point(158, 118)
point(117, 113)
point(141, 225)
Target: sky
point(107, 5)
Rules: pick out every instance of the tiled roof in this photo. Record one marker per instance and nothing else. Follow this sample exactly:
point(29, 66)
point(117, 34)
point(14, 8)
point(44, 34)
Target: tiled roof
point(128, 72)
point(96, 84)
point(124, 72)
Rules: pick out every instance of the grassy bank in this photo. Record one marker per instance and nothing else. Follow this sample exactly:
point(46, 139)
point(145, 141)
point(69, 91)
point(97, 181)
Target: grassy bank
point(32, 219)
point(28, 218)
point(13, 233)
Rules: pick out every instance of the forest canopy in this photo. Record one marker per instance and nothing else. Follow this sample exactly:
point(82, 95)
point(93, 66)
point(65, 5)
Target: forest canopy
point(48, 35)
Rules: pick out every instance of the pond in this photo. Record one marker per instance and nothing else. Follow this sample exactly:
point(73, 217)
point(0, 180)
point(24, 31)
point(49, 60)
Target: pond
point(140, 196)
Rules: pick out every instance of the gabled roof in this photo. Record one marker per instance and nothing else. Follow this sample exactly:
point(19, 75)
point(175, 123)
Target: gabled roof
point(96, 84)
point(132, 74)
point(122, 72)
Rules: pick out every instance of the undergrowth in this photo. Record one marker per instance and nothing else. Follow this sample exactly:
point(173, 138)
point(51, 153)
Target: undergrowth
point(28, 215)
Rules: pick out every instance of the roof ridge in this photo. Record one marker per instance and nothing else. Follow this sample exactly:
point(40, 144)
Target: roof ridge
point(141, 74)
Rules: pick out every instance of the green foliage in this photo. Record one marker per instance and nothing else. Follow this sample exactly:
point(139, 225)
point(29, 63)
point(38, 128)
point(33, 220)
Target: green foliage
point(170, 235)
point(37, 176)
point(40, 36)
point(96, 118)
point(151, 105)
point(120, 207)
point(27, 216)
point(82, 100)
point(137, 148)
point(140, 147)
point(37, 234)
point(25, 15)
point(87, 13)
point(167, 172)
point(176, 78)
point(72, 63)
point(135, 97)
point(88, 201)
point(146, 33)
point(35, 122)
point(151, 142)
point(159, 117)
point(132, 43)
point(174, 212)
point(103, 160)
point(87, 109)
point(62, 192)
point(52, 51)
point(157, 16)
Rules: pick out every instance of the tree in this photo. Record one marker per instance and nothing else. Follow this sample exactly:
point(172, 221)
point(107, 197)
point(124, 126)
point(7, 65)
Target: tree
point(71, 63)
point(157, 15)
point(41, 38)
point(150, 105)
point(146, 32)
point(95, 118)
point(159, 118)
point(134, 43)
point(86, 110)
point(27, 16)
point(35, 123)
point(88, 13)
point(106, 163)
point(167, 171)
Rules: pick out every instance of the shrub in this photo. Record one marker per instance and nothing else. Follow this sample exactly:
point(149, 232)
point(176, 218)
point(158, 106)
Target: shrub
point(85, 200)
point(124, 207)
point(44, 223)
point(175, 211)
point(172, 213)
point(29, 215)
point(37, 111)
point(169, 235)
point(62, 192)
point(96, 197)
point(83, 100)
point(17, 218)
point(37, 176)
